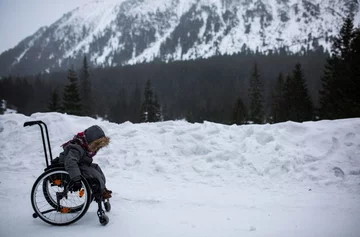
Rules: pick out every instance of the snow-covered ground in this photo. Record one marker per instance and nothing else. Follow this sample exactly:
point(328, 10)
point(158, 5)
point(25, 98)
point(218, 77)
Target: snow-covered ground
point(175, 179)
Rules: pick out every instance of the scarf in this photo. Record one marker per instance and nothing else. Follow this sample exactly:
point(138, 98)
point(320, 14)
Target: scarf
point(80, 140)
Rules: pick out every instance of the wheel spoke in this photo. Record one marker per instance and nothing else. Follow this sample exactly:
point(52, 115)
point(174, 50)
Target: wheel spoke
point(44, 199)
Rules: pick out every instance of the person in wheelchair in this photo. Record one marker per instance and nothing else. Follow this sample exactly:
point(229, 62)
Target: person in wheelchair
point(77, 158)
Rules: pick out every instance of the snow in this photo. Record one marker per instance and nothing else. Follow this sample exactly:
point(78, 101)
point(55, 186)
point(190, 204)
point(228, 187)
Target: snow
point(21, 56)
point(204, 16)
point(183, 6)
point(175, 178)
point(293, 33)
point(30, 44)
point(357, 19)
point(96, 16)
point(98, 20)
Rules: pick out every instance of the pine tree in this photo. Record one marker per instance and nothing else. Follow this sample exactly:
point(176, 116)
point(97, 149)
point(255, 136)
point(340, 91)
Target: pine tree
point(278, 101)
point(119, 112)
point(150, 109)
point(87, 103)
point(25, 101)
point(135, 105)
point(340, 85)
point(342, 43)
point(256, 97)
point(71, 96)
point(41, 94)
point(354, 95)
point(157, 109)
point(239, 115)
point(2, 105)
point(287, 97)
point(146, 112)
point(189, 117)
point(330, 98)
point(54, 105)
point(299, 105)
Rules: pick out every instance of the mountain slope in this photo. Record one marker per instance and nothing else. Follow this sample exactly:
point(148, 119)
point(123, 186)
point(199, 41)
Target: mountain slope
point(116, 32)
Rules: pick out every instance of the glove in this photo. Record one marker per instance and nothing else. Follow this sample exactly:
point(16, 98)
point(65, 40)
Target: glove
point(76, 185)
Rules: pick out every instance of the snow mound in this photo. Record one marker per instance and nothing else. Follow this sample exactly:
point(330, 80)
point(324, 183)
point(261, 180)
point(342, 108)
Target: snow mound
point(322, 153)
point(180, 179)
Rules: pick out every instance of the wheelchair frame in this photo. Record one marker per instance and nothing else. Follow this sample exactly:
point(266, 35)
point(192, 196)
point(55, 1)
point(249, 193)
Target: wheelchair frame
point(55, 186)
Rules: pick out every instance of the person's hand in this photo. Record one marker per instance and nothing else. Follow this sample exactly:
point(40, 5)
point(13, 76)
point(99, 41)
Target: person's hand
point(76, 186)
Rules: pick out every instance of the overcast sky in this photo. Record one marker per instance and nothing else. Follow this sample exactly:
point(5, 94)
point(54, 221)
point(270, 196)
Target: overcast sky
point(21, 18)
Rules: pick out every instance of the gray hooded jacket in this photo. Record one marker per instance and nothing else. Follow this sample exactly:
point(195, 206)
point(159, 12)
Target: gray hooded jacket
point(77, 160)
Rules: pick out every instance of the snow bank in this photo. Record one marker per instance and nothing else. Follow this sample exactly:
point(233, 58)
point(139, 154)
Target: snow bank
point(179, 179)
point(322, 153)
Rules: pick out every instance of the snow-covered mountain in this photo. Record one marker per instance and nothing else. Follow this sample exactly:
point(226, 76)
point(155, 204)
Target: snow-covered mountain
point(116, 32)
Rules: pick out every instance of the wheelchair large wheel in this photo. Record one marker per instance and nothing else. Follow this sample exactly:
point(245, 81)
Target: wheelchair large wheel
point(57, 182)
point(52, 204)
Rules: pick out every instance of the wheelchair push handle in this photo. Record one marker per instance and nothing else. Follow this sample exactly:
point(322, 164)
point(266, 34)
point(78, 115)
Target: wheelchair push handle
point(41, 125)
point(31, 123)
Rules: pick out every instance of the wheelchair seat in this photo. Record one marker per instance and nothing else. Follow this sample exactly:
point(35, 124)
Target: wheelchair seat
point(55, 163)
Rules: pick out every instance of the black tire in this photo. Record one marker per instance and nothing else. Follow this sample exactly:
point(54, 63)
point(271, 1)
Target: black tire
point(44, 202)
point(104, 220)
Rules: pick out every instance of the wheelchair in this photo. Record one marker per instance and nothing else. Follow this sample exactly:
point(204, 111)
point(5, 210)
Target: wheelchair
point(52, 197)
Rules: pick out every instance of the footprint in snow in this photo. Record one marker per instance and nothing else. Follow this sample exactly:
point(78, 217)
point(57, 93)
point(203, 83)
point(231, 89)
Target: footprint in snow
point(349, 138)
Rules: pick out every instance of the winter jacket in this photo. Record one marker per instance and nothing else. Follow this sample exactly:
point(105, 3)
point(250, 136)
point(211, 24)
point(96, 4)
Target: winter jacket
point(78, 153)
point(73, 157)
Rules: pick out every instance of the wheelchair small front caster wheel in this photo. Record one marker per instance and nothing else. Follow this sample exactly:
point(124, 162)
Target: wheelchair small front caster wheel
point(35, 215)
point(107, 206)
point(104, 220)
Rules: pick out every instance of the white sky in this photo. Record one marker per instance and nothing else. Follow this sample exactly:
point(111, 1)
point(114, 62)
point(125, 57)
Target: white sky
point(21, 18)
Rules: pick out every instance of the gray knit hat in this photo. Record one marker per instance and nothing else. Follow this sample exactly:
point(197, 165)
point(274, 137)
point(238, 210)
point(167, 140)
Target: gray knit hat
point(93, 133)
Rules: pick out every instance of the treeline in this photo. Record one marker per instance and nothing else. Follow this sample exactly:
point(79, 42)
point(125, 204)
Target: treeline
point(242, 88)
point(204, 89)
